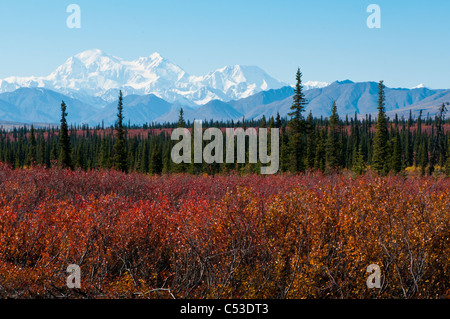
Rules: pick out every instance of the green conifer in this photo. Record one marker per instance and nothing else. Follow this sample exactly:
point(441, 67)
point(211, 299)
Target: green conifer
point(65, 148)
point(120, 160)
point(380, 142)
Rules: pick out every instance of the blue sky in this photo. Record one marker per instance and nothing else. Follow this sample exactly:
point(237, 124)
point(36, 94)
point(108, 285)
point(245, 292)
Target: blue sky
point(328, 39)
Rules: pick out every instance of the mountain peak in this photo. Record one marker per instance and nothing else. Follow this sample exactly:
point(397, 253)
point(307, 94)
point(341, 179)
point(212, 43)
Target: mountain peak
point(156, 56)
point(154, 59)
point(228, 69)
point(95, 58)
point(91, 53)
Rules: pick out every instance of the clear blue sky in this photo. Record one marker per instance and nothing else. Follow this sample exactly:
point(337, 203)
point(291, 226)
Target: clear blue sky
point(328, 39)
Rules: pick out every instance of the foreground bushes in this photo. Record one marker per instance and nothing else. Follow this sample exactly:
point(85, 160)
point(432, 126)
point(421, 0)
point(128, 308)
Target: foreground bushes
point(307, 236)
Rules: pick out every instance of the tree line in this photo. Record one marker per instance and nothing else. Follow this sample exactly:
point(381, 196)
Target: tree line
point(357, 143)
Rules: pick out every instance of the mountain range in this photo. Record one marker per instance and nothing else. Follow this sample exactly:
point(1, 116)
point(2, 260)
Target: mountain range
point(155, 90)
point(94, 77)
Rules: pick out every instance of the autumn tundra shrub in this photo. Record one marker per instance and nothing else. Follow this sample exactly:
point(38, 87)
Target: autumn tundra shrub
point(228, 236)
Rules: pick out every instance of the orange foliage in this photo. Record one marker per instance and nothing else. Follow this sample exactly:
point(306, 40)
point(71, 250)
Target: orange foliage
point(283, 236)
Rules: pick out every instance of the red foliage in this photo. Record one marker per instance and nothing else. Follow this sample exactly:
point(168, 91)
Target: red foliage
point(282, 236)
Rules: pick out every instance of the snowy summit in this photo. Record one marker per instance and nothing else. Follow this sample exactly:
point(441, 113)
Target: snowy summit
point(96, 74)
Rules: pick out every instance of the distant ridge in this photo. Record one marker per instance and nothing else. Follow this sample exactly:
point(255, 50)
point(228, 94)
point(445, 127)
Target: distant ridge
point(38, 105)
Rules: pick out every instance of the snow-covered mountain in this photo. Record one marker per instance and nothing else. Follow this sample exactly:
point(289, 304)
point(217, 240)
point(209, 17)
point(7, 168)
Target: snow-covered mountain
point(309, 85)
point(95, 77)
point(420, 86)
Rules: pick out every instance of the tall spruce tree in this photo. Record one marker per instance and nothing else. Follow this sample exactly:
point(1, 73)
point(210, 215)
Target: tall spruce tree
point(380, 155)
point(65, 148)
point(120, 160)
point(297, 126)
point(333, 146)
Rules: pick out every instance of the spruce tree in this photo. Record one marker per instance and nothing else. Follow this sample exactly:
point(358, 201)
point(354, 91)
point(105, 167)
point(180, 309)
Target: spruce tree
point(418, 140)
point(263, 122)
point(278, 121)
point(271, 122)
point(333, 146)
point(181, 122)
point(380, 142)
point(120, 161)
point(359, 165)
point(297, 126)
point(65, 148)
